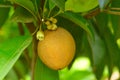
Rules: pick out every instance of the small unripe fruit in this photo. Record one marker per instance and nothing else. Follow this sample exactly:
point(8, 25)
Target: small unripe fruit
point(47, 23)
point(51, 24)
point(52, 27)
point(53, 20)
point(40, 35)
point(57, 49)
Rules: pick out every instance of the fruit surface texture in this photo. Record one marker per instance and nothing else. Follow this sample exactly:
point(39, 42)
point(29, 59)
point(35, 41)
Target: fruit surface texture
point(57, 49)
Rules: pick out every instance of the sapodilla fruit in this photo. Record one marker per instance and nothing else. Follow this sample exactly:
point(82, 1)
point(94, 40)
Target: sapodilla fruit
point(57, 49)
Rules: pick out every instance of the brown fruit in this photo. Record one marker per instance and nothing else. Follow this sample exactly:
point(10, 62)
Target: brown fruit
point(57, 49)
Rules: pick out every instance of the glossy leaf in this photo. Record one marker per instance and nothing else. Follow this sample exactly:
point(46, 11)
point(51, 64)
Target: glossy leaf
point(103, 3)
point(10, 51)
point(98, 49)
point(27, 4)
point(80, 21)
point(22, 15)
point(80, 5)
point(42, 72)
point(77, 75)
point(4, 13)
point(60, 4)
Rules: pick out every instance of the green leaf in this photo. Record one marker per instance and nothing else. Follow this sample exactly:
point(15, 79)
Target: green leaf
point(42, 72)
point(27, 4)
point(21, 67)
point(103, 3)
point(5, 4)
point(102, 25)
point(51, 5)
point(114, 25)
point(60, 4)
point(10, 51)
point(80, 21)
point(22, 15)
point(11, 75)
point(115, 20)
point(115, 3)
point(86, 48)
point(112, 48)
point(106, 33)
point(98, 49)
point(4, 13)
point(80, 75)
point(80, 5)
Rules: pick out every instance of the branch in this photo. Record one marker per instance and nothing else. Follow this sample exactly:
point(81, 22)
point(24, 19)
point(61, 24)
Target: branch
point(92, 13)
point(112, 12)
point(20, 27)
point(32, 28)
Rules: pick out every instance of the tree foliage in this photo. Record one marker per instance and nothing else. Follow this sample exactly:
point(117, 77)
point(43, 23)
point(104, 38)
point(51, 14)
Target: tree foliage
point(94, 24)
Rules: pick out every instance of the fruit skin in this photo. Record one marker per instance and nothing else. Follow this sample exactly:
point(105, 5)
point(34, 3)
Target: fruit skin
point(57, 49)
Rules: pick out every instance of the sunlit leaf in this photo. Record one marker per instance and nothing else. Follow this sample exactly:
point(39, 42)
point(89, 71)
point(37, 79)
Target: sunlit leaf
point(10, 51)
point(77, 75)
point(79, 20)
point(60, 4)
point(22, 15)
point(42, 72)
point(80, 5)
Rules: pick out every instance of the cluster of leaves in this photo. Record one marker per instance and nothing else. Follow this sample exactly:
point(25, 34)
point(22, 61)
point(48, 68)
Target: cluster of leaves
point(92, 24)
